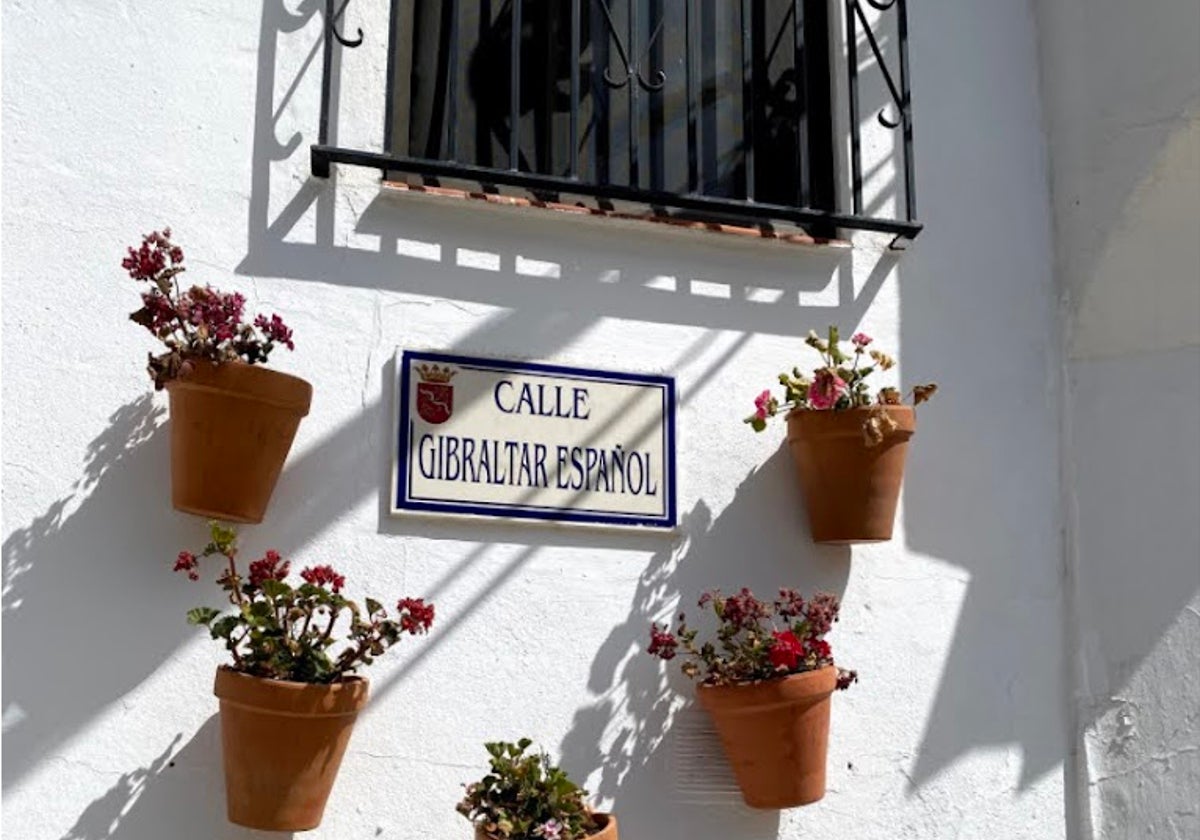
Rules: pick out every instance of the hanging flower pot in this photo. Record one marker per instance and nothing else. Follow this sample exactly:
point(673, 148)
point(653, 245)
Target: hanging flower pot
point(850, 486)
point(282, 744)
point(765, 680)
point(526, 797)
point(288, 703)
point(849, 447)
point(775, 735)
point(232, 425)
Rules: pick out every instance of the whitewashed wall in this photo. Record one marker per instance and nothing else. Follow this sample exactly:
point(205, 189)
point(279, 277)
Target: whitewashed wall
point(1123, 95)
point(122, 117)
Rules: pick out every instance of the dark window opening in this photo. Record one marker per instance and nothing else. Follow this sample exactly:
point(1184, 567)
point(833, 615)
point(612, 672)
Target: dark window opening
point(718, 109)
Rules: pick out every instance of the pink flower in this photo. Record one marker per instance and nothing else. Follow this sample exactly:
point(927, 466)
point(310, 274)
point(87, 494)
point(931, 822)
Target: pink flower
point(861, 340)
point(821, 613)
point(826, 389)
point(148, 260)
point(762, 405)
point(275, 330)
point(742, 609)
point(790, 603)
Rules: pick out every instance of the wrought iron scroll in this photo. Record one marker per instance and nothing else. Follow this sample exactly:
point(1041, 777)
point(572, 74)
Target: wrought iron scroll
point(899, 92)
point(332, 35)
point(633, 64)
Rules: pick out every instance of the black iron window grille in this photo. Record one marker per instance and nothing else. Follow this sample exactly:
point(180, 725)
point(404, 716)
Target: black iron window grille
point(712, 109)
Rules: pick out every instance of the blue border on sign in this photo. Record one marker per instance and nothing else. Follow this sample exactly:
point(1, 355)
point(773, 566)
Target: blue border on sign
point(405, 502)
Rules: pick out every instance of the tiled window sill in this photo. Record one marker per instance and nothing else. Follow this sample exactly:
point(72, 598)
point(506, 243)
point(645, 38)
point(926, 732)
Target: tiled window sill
point(788, 236)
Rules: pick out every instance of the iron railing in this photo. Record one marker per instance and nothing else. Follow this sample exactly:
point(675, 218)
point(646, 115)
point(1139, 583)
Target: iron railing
point(794, 103)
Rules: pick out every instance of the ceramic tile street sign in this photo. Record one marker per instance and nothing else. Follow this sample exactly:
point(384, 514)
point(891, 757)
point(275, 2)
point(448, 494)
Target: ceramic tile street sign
point(485, 437)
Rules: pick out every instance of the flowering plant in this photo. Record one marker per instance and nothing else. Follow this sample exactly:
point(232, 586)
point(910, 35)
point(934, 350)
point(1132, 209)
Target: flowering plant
point(838, 384)
point(282, 632)
point(757, 640)
point(525, 797)
point(199, 323)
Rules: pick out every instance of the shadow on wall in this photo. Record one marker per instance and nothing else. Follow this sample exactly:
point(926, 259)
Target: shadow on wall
point(1005, 679)
point(981, 486)
point(571, 266)
point(70, 565)
point(181, 787)
point(653, 754)
point(71, 575)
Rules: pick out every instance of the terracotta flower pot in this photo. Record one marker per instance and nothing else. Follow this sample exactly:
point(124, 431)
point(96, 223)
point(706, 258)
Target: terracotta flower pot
point(608, 829)
point(850, 489)
point(775, 735)
point(231, 428)
point(283, 743)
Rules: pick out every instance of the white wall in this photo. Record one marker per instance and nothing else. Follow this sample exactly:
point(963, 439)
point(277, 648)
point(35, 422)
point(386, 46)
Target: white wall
point(1123, 100)
point(122, 117)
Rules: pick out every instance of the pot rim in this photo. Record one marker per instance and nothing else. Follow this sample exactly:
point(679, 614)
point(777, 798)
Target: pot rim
point(804, 687)
point(288, 698)
point(608, 826)
point(240, 380)
point(848, 422)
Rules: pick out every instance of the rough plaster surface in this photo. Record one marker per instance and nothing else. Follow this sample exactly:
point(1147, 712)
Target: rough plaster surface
point(121, 117)
point(1122, 86)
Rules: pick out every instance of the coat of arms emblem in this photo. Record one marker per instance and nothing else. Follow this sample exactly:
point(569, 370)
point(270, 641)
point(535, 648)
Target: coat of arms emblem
point(435, 394)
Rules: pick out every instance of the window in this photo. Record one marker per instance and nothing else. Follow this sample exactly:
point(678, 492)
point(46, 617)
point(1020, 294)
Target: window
point(719, 109)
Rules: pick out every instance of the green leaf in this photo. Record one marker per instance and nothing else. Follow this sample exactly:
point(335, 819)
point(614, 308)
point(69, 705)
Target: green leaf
point(224, 627)
point(276, 589)
point(373, 606)
point(202, 615)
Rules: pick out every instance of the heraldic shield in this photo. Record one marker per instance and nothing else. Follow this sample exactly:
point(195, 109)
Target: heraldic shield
point(435, 394)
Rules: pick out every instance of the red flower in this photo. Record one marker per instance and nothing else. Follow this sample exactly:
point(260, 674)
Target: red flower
point(820, 647)
point(415, 615)
point(268, 568)
point(186, 562)
point(321, 575)
point(786, 650)
point(662, 643)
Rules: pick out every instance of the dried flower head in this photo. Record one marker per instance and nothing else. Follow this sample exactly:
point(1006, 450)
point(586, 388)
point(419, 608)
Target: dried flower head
point(878, 425)
point(197, 323)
